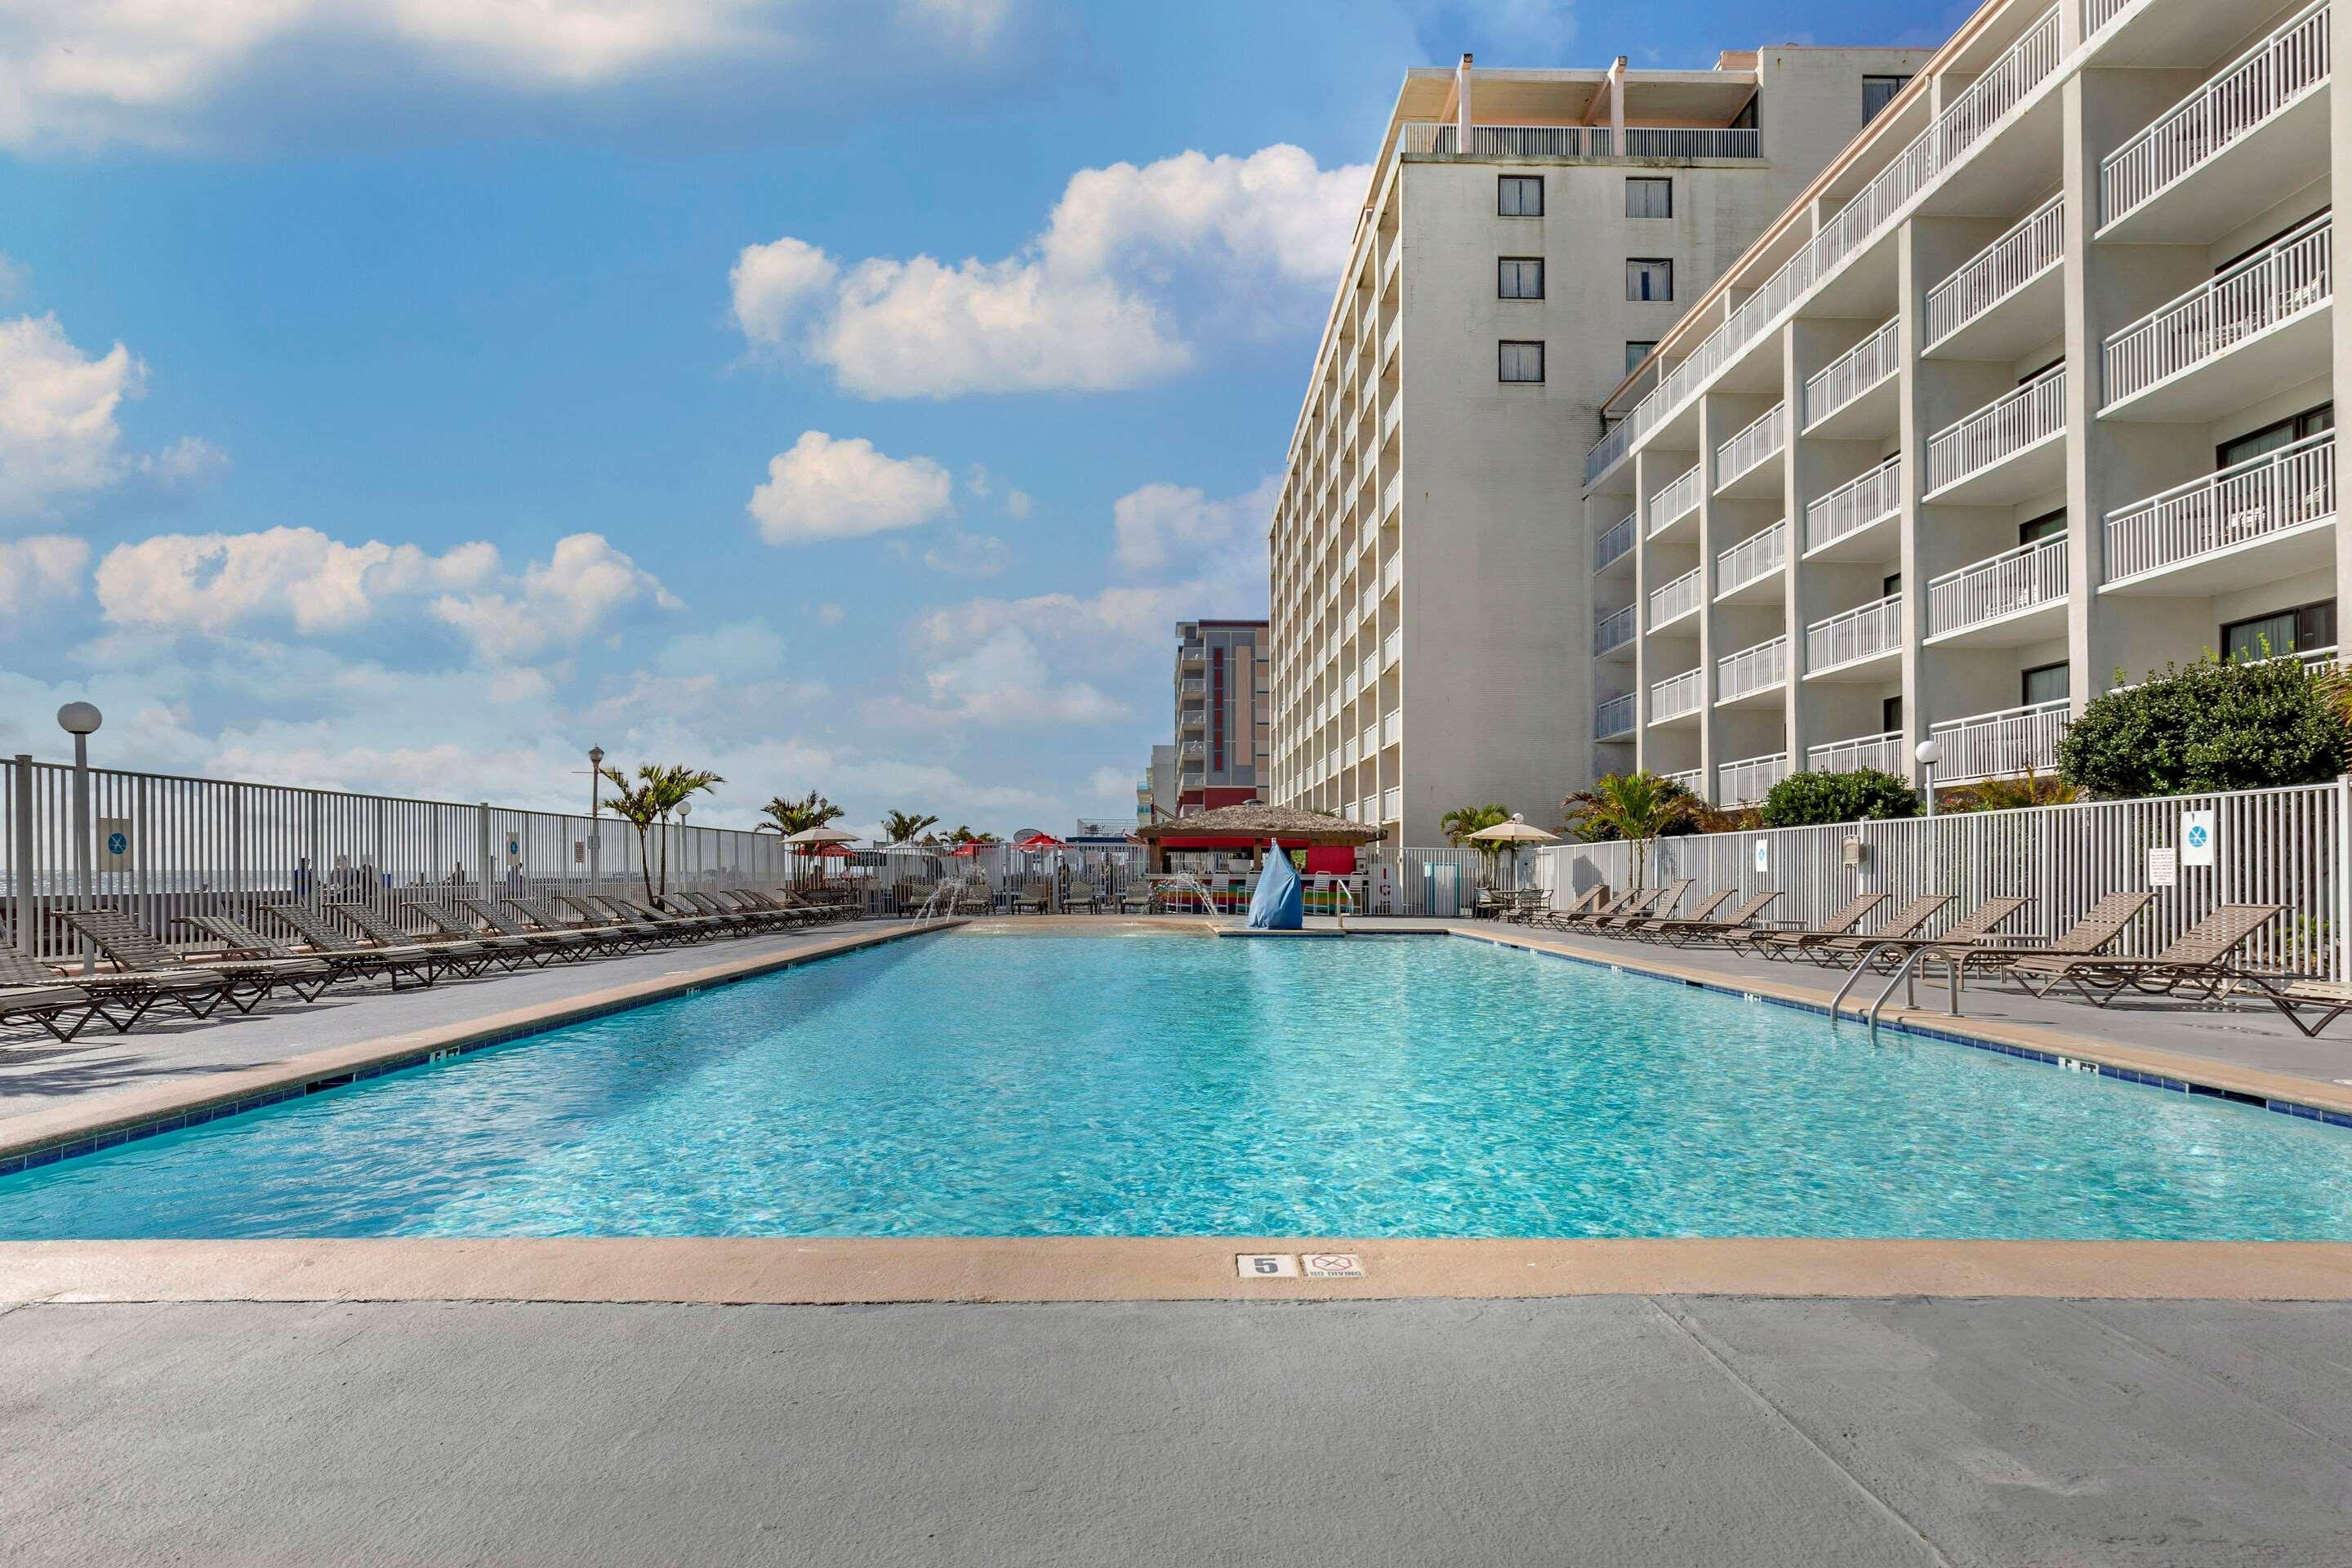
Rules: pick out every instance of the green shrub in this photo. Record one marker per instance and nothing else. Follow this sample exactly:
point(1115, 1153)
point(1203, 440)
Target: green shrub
point(2244, 724)
point(1865, 794)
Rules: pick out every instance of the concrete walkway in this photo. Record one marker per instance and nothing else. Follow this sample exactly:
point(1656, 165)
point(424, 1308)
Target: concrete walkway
point(1650, 1431)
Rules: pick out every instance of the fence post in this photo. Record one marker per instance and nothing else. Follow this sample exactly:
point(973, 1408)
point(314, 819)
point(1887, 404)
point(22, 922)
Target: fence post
point(21, 838)
point(2342, 800)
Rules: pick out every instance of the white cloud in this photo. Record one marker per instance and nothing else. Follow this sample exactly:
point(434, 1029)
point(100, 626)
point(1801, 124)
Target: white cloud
point(215, 583)
point(1111, 784)
point(1160, 521)
point(828, 489)
point(560, 600)
point(59, 438)
point(1017, 505)
point(38, 570)
point(962, 554)
point(1002, 681)
point(830, 614)
point(1087, 306)
point(187, 461)
point(736, 650)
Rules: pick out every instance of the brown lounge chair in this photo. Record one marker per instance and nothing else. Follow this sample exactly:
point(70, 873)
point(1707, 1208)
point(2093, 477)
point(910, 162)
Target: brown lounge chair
point(1633, 901)
point(2094, 932)
point(1688, 932)
point(2196, 960)
point(424, 960)
point(238, 940)
point(33, 992)
point(1594, 900)
point(1641, 925)
point(1661, 907)
point(2293, 995)
point(243, 983)
point(1974, 927)
point(1766, 943)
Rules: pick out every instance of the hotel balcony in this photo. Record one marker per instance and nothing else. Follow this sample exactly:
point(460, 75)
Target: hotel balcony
point(2013, 448)
point(1192, 718)
point(1674, 600)
point(1690, 779)
point(1746, 782)
point(2257, 522)
point(2228, 150)
point(1392, 496)
point(2263, 325)
point(2007, 297)
point(1614, 631)
point(1854, 395)
point(1192, 781)
point(1193, 749)
point(1392, 805)
point(1855, 522)
point(2001, 745)
point(1885, 753)
point(1862, 643)
point(1751, 673)
point(1747, 464)
point(2003, 601)
point(1677, 503)
point(1615, 544)
point(1392, 573)
point(1391, 728)
point(1392, 649)
point(1678, 697)
point(1612, 718)
point(1751, 571)
point(1193, 685)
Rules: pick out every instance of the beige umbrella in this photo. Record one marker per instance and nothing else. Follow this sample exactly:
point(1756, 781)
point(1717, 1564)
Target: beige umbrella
point(821, 835)
point(1515, 833)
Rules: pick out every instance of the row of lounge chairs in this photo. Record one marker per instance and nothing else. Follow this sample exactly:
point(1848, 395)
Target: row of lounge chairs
point(240, 966)
point(2199, 964)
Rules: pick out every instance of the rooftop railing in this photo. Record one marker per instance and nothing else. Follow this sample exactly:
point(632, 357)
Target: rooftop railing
point(1672, 143)
point(1754, 558)
point(1999, 431)
point(1865, 631)
point(1854, 372)
point(1999, 270)
point(1862, 501)
point(2259, 83)
point(2023, 578)
point(2028, 62)
point(2239, 505)
point(2294, 274)
point(1752, 445)
point(1752, 670)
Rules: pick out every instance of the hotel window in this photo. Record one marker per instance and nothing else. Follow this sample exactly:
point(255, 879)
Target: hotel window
point(2300, 630)
point(1518, 278)
point(2043, 683)
point(1519, 361)
point(1890, 714)
point(1647, 197)
point(1635, 354)
point(1877, 92)
point(1519, 195)
point(2271, 437)
point(2049, 525)
point(1649, 278)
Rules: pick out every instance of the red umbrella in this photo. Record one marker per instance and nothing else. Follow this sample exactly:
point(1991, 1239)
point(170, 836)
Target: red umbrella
point(963, 852)
point(833, 851)
point(1044, 841)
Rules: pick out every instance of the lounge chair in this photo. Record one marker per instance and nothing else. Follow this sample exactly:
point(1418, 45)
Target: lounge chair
point(1690, 933)
point(244, 984)
point(1641, 925)
point(511, 952)
point(1660, 908)
point(692, 927)
point(2094, 932)
point(1768, 943)
point(1591, 901)
point(1973, 929)
point(33, 992)
point(427, 960)
point(460, 950)
point(704, 904)
point(744, 901)
point(2291, 995)
point(610, 935)
point(1631, 902)
point(2196, 960)
point(238, 940)
point(1911, 919)
point(570, 945)
point(595, 913)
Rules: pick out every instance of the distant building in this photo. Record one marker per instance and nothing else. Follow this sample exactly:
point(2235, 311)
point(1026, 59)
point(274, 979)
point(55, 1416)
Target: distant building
point(1097, 831)
point(1155, 791)
point(1222, 714)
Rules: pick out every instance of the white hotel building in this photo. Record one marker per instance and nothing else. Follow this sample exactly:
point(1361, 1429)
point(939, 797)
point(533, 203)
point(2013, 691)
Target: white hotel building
point(1433, 622)
point(2034, 385)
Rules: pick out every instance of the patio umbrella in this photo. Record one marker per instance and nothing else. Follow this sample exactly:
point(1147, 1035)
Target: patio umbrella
point(964, 851)
point(1518, 833)
point(810, 839)
point(1041, 843)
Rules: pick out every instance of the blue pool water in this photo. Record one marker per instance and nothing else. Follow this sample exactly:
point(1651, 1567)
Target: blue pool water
point(1157, 1084)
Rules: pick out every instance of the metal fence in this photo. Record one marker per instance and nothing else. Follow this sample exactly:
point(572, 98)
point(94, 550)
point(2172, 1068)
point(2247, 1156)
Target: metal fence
point(2286, 847)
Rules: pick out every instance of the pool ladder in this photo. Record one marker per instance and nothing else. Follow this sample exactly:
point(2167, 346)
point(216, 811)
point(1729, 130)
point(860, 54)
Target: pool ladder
point(1903, 973)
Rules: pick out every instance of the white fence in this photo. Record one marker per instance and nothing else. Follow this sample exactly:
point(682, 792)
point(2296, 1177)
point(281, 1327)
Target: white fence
point(1747, 449)
point(1998, 431)
point(1672, 143)
point(2286, 847)
point(2019, 578)
point(1867, 499)
point(1863, 632)
point(1759, 555)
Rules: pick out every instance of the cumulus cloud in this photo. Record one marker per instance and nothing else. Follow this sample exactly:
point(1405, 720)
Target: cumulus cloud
point(59, 435)
point(962, 554)
point(44, 568)
point(1160, 522)
point(1085, 306)
point(216, 583)
point(828, 489)
point(736, 650)
point(1002, 681)
point(582, 583)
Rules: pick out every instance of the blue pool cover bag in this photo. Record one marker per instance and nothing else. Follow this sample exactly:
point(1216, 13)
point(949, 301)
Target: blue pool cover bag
point(1278, 904)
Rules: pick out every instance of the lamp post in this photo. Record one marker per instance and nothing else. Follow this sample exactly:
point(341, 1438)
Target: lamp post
point(595, 802)
point(685, 842)
point(82, 719)
point(1929, 754)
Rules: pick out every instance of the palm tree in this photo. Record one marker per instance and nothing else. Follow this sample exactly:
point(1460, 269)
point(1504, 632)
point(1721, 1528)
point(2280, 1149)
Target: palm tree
point(660, 790)
point(1462, 821)
point(899, 827)
point(791, 817)
point(1637, 807)
point(634, 803)
point(964, 835)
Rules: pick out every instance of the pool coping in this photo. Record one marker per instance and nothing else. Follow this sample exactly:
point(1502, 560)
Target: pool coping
point(42, 1136)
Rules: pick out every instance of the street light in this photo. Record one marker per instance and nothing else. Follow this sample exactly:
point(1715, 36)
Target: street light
point(1929, 754)
point(82, 719)
point(595, 800)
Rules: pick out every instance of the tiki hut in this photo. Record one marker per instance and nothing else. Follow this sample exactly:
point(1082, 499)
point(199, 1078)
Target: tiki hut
point(1252, 828)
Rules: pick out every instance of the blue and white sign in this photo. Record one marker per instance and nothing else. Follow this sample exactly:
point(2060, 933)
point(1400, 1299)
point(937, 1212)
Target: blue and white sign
point(2198, 836)
point(1763, 855)
point(114, 844)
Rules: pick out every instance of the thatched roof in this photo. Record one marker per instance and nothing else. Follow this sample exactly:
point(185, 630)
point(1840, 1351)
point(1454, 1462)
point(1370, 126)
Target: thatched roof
point(1292, 826)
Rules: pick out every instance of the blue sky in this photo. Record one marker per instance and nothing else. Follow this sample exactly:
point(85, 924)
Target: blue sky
point(405, 395)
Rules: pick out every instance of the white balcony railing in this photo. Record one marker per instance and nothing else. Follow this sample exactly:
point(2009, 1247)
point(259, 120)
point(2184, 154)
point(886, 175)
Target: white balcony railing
point(2020, 579)
point(1679, 142)
point(2294, 275)
point(1193, 749)
point(2000, 269)
point(1392, 648)
point(1854, 372)
point(2097, 14)
point(1677, 695)
point(1867, 498)
point(2241, 504)
point(1751, 778)
point(2001, 744)
point(1614, 631)
point(1751, 670)
point(2259, 83)
point(1614, 542)
point(1754, 558)
point(1391, 727)
point(2026, 64)
point(1865, 632)
point(1392, 573)
point(1392, 805)
point(1613, 716)
point(1885, 753)
point(1678, 500)
point(1751, 447)
point(1998, 431)
point(1424, 138)
point(1675, 599)
point(1393, 494)
point(1689, 779)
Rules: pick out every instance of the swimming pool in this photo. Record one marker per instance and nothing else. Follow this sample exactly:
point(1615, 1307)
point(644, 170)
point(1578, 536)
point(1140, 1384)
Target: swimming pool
point(1156, 1084)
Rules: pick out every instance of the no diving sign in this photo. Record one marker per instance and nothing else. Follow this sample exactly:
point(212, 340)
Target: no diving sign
point(1311, 1266)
